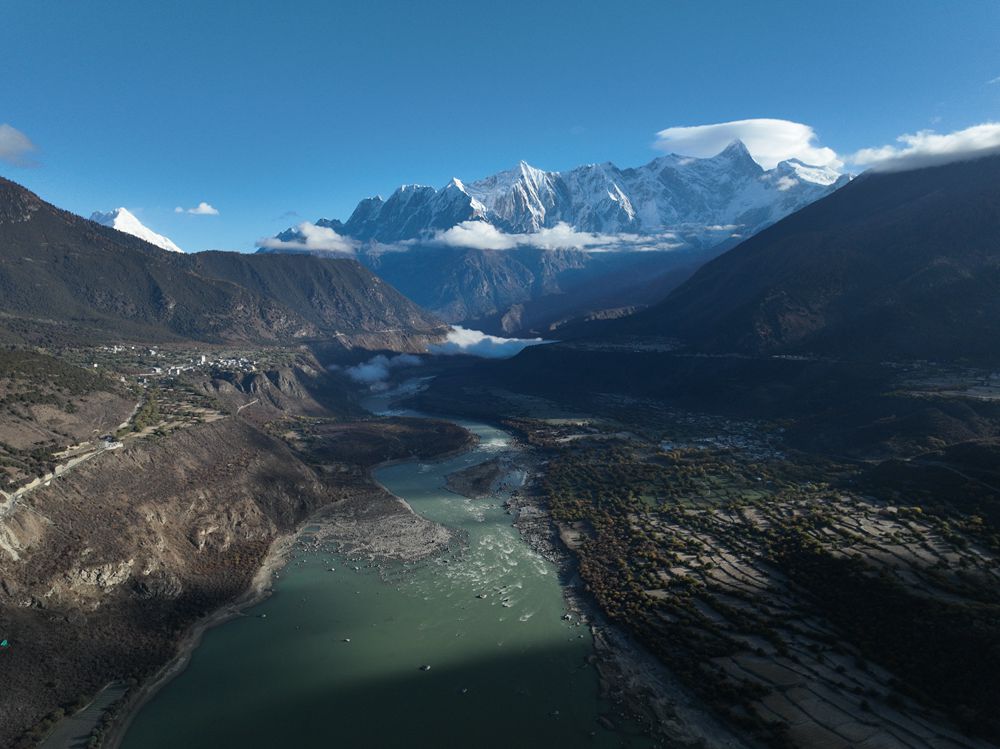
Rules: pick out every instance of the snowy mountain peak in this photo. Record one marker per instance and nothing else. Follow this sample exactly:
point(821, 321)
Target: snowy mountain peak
point(681, 197)
point(125, 221)
point(736, 148)
point(817, 175)
point(736, 155)
point(528, 170)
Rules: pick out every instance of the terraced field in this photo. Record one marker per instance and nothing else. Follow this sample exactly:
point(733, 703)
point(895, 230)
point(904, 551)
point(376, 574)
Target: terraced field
point(810, 613)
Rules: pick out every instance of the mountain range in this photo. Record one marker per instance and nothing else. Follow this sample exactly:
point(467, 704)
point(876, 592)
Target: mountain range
point(561, 232)
point(689, 201)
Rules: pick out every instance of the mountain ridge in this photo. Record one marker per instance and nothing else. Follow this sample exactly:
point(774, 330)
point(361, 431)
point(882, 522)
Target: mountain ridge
point(896, 264)
point(62, 275)
point(669, 194)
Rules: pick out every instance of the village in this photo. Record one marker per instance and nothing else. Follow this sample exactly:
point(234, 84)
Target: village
point(130, 391)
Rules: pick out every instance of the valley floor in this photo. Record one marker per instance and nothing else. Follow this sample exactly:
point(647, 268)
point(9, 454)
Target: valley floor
point(741, 591)
point(805, 599)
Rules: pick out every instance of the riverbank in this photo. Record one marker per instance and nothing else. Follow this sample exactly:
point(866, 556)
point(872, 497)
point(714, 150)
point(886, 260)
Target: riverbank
point(375, 524)
point(259, 590)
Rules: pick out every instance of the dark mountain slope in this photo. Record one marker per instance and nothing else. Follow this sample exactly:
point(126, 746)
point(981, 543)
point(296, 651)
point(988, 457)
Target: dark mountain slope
point(61, 275)
point(333, 296)
point(901, 264)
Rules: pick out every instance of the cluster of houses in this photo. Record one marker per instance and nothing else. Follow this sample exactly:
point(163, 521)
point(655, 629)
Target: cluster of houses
point(241, 364)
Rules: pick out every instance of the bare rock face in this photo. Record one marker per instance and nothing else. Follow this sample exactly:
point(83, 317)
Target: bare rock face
point(104, 576)
point(82, 583)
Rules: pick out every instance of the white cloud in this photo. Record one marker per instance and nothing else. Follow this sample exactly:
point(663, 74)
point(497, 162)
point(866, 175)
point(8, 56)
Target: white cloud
point(476, 343)
point(769, 141)
point(376, 370)
point(481, 235)
point(477, 235)
point(928, 148)
point(786, 183)
point(15, 147)
point(202, 209)
point(562, 236)
point(312, 237)
point(993, 81)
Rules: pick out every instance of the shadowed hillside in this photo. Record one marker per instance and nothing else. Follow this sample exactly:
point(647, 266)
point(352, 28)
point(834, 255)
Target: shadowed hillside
point(64, 277)
point(900, 264)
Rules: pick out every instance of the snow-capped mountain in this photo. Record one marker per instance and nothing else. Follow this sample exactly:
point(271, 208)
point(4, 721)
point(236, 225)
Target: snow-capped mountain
point(702, 200)
point(123, 220)
point(439, 246)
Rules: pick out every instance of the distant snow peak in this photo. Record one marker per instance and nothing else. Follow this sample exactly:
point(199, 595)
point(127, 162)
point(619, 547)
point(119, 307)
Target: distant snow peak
point(125, 221)
point(818, 175)
point(663, 205)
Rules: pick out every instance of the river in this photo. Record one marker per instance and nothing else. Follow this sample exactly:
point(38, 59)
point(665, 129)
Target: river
point(340, 659)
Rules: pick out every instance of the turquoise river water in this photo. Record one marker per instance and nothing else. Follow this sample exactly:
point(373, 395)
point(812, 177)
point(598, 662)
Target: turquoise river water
point(505, 669)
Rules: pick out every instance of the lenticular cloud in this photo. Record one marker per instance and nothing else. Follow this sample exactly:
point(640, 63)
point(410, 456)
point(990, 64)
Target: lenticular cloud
point(769, 141)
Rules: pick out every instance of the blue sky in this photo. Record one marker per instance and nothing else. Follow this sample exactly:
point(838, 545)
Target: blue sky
point(262, 109)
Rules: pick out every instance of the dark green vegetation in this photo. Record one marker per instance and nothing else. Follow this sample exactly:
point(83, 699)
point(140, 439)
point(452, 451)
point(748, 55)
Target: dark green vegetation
point(894, 265)
point(66, 280)
point(857, 409)
point(47, 404)
point(33, 377)
point(900, 629)
point(369, 443)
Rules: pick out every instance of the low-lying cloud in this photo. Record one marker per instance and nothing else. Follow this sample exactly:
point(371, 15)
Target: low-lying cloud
point(312, 238)
point(376, 371)
point(476, 343)
point(480, 235)
point(202, 209)
point(477, 235)
point(928, 148)
point(16, 148)
point(769, 141)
